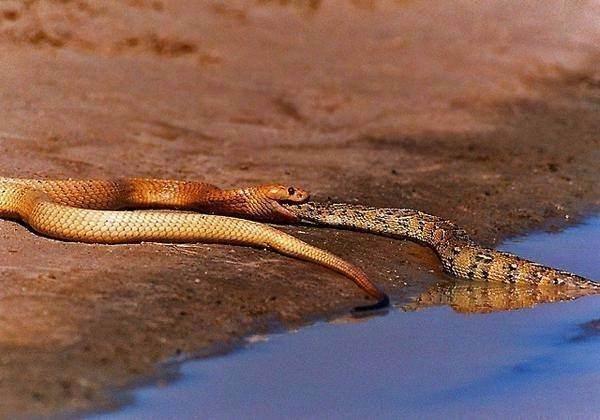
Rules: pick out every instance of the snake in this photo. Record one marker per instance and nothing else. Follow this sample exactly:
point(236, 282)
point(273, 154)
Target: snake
point(460, 255)
point(91, 211)
point(87, 211)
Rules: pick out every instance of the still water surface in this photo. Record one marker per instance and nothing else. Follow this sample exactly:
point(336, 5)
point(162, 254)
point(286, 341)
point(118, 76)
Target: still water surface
point(431, 363)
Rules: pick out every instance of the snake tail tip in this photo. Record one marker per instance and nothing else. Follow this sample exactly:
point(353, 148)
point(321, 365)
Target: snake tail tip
point(381, 304)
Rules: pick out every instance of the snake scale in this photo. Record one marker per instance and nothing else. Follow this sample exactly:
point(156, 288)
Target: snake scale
point(87, 211)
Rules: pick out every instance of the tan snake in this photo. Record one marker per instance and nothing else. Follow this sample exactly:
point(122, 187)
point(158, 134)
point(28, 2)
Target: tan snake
point(82, 210)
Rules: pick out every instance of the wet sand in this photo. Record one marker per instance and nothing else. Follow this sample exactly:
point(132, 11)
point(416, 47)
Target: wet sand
point(486, 115)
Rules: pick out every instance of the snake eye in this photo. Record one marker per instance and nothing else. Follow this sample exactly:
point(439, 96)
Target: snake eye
point(291, 191)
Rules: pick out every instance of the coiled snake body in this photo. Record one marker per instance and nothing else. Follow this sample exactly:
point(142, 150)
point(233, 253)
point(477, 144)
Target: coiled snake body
point(459, 254)
point(78, 210)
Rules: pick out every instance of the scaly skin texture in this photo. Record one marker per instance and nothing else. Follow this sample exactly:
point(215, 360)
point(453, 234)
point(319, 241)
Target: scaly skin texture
point(258, 203)
point(78, 211)
point(460, 255)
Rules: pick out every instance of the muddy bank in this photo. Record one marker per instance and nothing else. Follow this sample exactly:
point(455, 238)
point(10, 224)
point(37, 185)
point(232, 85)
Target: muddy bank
point(475, 115)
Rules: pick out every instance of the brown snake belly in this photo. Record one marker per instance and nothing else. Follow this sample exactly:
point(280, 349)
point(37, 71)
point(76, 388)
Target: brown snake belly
point(79, 211)
point(460, 256)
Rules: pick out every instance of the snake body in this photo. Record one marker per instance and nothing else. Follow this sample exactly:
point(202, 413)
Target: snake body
point(459, 254)
point(80, 210)
point(87, 211)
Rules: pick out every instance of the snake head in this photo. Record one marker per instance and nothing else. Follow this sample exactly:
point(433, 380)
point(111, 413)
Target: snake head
point(272, 196)
point(286, 194)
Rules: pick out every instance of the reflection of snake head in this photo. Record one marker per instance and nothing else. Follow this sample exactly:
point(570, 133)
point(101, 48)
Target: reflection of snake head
point(267, 201)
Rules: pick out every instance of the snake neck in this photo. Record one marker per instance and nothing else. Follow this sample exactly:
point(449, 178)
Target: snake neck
point(247, 203)
point(227, 202)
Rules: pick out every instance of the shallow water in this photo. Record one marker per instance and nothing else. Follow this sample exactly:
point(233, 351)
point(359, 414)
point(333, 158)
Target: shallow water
point(434, 362)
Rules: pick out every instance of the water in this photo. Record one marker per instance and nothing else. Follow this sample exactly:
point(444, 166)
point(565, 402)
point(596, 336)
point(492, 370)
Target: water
point(431, 363)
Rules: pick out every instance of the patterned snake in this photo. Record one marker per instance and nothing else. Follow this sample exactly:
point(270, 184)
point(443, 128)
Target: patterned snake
point(459, 254)
point(83, 210)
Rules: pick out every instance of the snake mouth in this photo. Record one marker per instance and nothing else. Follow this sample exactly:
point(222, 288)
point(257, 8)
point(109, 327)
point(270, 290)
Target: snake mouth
point(291, 202)
point(283, 207)
point(284, 198)
point(298, 197)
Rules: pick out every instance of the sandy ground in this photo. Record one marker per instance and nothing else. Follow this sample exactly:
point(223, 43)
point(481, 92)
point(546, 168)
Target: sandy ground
point(486, 114)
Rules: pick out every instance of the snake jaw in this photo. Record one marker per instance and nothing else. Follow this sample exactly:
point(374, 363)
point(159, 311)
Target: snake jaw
point(285, 215)
point(273, 198)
